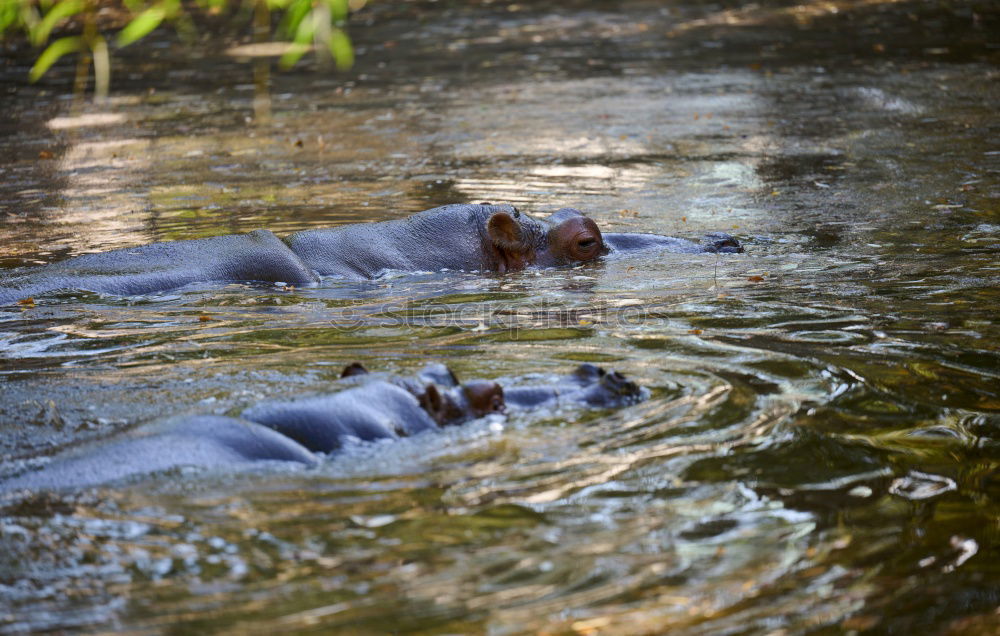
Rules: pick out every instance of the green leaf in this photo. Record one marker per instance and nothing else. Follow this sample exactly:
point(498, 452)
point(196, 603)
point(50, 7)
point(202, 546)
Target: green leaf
point(338, 10)
point(62, 10)
point(56, 50)
point(141, 25)
point(293, 17)
point(341, 49)
point(303, 35)
point(8, 15)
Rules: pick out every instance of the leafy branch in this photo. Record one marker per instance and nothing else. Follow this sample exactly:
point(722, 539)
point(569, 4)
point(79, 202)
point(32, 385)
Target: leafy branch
point(305, 25)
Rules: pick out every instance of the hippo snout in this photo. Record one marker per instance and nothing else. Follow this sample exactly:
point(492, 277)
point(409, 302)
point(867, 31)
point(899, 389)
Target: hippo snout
point(618, 384)
point(722, 243)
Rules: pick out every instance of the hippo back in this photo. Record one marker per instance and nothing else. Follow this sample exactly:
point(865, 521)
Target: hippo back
point(447, 237)
point(201, 440)
point(257, 256)
point(376, 410)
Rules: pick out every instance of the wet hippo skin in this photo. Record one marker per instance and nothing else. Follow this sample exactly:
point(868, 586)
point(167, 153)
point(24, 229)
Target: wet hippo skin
point(589, 385)
point(716, 242)
point(376, 410)
point(257, 256)
point(209, 441)
point(483, 237)
point(378, 407)
point(480, 237)
point(382, 406)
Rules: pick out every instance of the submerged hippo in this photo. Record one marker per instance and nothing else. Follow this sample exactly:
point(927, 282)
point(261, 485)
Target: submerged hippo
point(483, 237)
point(378, 407)
point(207, 441)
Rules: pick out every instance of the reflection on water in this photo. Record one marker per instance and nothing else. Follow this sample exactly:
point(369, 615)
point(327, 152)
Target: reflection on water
point(819, 450)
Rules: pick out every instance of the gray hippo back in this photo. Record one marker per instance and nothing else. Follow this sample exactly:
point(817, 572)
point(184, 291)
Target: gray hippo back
point(257, 256)
point(322, 423)
point(208, 441)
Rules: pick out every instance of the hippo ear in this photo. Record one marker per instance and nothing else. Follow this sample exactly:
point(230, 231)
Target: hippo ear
point(430, 400)
point(484, 397)
point(513, 250)
point(354, 368)
point(505, 232)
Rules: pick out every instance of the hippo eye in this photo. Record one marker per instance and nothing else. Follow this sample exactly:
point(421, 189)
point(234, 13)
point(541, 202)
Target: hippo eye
point(586, 244)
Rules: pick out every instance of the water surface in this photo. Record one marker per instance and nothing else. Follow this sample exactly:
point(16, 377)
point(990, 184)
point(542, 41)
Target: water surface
point(820, 449)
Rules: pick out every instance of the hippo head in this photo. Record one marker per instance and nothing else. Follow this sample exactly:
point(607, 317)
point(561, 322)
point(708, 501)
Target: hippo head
point(566, 237)
point(457, 405)
point(605, 389)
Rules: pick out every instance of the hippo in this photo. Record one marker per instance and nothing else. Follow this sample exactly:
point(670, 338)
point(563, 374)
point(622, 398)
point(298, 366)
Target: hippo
point(257, 256)
point(588, 385)
point(469, 237)
point(208, 441)
point(373, 407)
point(376, 410)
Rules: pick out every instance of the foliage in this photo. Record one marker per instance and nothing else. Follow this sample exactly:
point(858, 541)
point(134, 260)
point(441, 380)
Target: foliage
point(305, 24)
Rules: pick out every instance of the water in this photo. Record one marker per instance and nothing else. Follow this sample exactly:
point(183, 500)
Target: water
point(819, 452)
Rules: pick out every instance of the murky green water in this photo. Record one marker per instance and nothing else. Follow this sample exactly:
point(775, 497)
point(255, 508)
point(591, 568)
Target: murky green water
point(820, 450)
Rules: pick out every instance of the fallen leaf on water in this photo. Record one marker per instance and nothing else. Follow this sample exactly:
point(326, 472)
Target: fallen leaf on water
point(755, 279)
point(46, 154)
point(204, 318)
point(695, 332)
point(26, 302)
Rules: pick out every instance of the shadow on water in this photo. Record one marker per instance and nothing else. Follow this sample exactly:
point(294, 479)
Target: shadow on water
point(820, 446)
